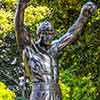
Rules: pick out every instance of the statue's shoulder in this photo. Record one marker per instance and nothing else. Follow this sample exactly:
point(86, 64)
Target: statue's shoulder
point(53, 50)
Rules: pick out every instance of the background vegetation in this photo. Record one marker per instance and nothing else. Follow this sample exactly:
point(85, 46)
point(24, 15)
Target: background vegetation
point(79, 63)
point(5, 93)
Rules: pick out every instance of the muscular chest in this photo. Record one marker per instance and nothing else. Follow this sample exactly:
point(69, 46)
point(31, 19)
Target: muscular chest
point(43, 63)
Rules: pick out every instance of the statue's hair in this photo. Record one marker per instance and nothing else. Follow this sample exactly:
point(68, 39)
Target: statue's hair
point(43, 27)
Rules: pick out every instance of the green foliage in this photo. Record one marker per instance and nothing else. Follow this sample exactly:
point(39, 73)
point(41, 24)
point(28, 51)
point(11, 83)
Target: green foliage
point(9, 4)
point(6, 18)
point(5, 93)
point(97, 17)
point(34, 15)
point(77, 88)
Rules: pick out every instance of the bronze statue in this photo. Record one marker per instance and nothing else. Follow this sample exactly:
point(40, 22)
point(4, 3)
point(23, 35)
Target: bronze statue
point(40, 57)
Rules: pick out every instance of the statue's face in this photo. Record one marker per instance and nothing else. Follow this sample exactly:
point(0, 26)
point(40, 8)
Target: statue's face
point(46, 32)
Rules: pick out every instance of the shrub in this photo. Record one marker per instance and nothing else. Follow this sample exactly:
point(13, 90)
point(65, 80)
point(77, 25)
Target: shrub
point(74, 88)
point(6, 19)
point(5, 93)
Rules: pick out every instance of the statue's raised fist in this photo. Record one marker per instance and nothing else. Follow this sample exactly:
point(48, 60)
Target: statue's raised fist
point(88, 9)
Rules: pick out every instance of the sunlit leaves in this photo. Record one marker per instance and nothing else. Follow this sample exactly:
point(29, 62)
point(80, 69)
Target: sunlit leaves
point(35, 14)
point(77, 88)
point(5, 93)
point(6, 21)
point(97, 17)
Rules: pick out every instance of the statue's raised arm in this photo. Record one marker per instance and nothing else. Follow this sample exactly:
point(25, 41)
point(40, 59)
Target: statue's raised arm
point(73, 32)
point(22, 35)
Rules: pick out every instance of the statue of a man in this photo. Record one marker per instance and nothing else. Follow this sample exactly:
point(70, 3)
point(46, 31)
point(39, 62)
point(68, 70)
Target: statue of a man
point(41, 56)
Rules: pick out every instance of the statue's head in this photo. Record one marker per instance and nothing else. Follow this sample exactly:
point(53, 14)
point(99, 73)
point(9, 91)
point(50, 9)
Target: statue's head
point(45, 32)
point(88, 9)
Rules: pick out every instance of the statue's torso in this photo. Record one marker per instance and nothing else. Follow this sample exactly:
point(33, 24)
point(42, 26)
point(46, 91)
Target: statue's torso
point(44, 68)
point(44, 75)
